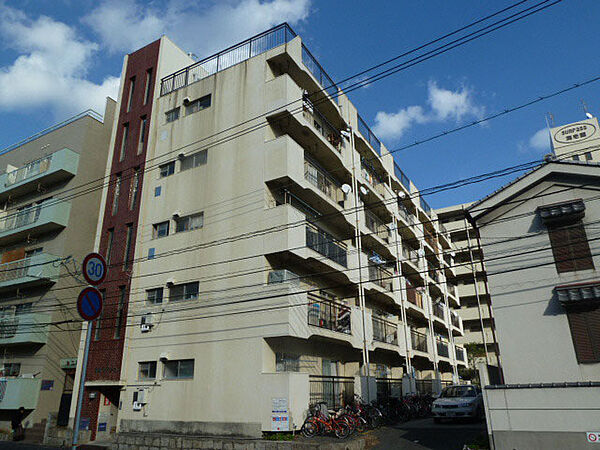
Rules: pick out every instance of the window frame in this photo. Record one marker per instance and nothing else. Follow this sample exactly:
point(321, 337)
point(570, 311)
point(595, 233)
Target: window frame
point(187, 221)
point(116, 194)
point(170, 169)
point(124, 140)
point(197, 159)
point(172, 115)
point(179, 362)
point(130, 94)
point(156, 229)
point(199, 104)
point(185, 295)
point(128, 242)
point(134, 188)
point(147, 91)
point(152, 366)
point(143, 134)
point(120, 311)
point(153, 301)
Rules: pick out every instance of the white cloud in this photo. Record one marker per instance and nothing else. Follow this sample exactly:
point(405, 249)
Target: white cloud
point(51, 68)
point(540, 140)
point(444, 104)
point(125, 25)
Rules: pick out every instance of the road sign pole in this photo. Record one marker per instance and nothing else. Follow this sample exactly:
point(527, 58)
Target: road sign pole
point(88, 338)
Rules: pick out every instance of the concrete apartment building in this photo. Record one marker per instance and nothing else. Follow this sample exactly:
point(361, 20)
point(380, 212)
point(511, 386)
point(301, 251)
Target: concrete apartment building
point(544, 281)
point(258, 268)
point(470, 278)
point(44, 232)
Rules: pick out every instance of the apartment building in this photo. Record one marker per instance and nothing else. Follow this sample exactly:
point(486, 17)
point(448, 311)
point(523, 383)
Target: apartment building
point(266, 252)
point(45, 230)
point(470, 278)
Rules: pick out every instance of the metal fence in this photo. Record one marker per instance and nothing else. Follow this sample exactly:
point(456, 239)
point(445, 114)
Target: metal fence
point(369, 135)
point(29, 170)
point(381, 277)
point(322, 125)
point(324, 313)
point(425, 205)
point(326, 245)
point(333, 390)
point(231, 56)
point(424, 386)
point(20, 219)
point(384, 331)
point(402, 176)
point(319, 73)
point(15, 269)
point(323, 181)
point(388, 388)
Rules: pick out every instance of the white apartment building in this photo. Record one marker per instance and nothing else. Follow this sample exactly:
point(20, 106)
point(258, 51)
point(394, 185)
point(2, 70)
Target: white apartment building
point(281, 256)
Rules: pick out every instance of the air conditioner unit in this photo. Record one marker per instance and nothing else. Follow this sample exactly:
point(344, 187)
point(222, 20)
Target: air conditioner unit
point(141, 396)
point(176, 214)
point(144, 328)
point(137, 406)
point(186, 101)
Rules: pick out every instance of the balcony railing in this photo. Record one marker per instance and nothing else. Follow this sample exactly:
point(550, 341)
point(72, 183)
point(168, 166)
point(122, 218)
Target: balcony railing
point(326, 245)
point(37, 269)
point(376, 225)
point(434, 275)
point(381, 277)
point(431, 239)
point(370, 176)
point(324, 313)
point(451, 289)
point(402, 177)
point(20, 219)
point(438, 310)
point(322, 125)
point(411, 255)
point(418, 341)
point(384, 331)
point(455, 320)
point(334, 391)
point(33, 168)
point(425, 206)
point(369, 135)
point(442, 348)
point(322, 181)
point(460, 353)
point(24, 328)
point(319, 73)
point(406, 214)
point(414, 296)
point(236, 54)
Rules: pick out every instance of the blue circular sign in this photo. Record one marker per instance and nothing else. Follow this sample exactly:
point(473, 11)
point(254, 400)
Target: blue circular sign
point(89, 303)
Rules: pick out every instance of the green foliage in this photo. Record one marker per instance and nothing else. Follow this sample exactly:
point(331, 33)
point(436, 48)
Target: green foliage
point(278, 436)
point(475, 350)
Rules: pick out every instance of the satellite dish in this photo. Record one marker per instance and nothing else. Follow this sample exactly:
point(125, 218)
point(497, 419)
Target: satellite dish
point(363, 190)
point(346, 188)
point(589, 115)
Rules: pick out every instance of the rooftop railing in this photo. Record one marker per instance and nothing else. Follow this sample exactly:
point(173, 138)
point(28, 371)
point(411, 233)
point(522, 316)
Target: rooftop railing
point(384, 331)
point(404, 180)
point(322, 181)
point(324, 313)
point(364, 129)
point(319, 73)
point(326, 245)
point(231, 56)
point(425, 206)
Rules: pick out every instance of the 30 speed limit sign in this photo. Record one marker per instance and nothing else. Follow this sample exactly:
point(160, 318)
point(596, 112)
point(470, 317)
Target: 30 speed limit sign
point(94, 268)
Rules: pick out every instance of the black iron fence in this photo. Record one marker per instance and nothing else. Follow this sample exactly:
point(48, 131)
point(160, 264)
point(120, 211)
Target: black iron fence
point(388, 388)
point(424, 386)
point(333, 390)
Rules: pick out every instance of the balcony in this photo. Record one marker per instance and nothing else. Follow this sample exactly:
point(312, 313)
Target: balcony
point(372, 178)
point(404, 181)
point(460, 354)
point(418, 341)
point(33, 221)
point(442, 348)
point(384, 331)
point(25, 328)
point(438, 310)
point(40, 269)
point(324, 313)
point(431, 240)
point(325, 244)
point(376, 226)
point(322, 125)
point(455, 321)
point(425, 206)
point(320, 179)
point(414, 296)
point(369, 136)
point(51, 169)
point(381, 277)
point(20, 392)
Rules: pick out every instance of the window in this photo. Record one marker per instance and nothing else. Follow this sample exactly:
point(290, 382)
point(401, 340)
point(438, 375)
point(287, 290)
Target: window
point(117, 193)
point(187, 291)
point(147, 370)
point(198, 105)
point(285, 362)
point(160, 230)
point(131, 91)
point(143, 132)
point(154, 296)
point(167, 169)
point(124, 141)
point(134, 188)
point(147, 91)
point(151, 252)
point(157, 191)
point(584, 322)
point(109, 244)
point(11, 369)
point(98, 321)
point(588, 156)
point(194, 160)
point(576, 158)
point(128, 242)
point(179, 369)
point(120, 311)
point(191, 222)
point(570, 247)
point(172, 115)
point(33, 252)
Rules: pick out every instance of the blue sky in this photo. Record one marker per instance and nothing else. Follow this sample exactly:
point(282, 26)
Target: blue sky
point(59, 57)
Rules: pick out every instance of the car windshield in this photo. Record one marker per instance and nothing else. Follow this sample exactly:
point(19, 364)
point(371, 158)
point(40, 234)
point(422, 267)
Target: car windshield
point(459, 391)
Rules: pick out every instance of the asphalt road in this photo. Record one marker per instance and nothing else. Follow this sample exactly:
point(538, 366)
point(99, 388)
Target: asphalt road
point(424, 434)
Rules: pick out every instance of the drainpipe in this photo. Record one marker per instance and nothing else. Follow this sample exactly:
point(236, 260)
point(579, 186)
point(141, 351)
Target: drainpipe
point(361, 293)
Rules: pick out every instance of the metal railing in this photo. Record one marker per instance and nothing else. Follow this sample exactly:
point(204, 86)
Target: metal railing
point(411, 255)
point(376, 225)
point(388, 388)
point(406, 214)
point(381, 277)
point(231, 56)
point(333, 390)
point(425, 206)
point(442, 348)
point(319, 73)
point(20, 219)
point(455, 320)
point(369, 135)
point(321, 124)
point(384, 331)
point(460, 353)
point(424, 386)
point(418, 341)
point(27, 171)
point(451, 289)
point(322, 181)
point(14, 270)
point(8, 326)
point(369, 175)
point(434, 275)
point(326, 245)
point(430, 239)
point(324, 313)
point(404, 180)
point(438, 310)
point(414, 296)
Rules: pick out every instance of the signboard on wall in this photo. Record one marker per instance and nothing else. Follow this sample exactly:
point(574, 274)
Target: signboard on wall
point(47, 385)
point(280, 419)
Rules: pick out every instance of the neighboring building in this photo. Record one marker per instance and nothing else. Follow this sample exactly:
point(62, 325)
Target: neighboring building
point(243, 271)
point(45, 230)
point(475, 304)
point(579, 141)
point(539, 236)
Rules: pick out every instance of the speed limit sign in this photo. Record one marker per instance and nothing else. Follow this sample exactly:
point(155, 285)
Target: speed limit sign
point(94, 268)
